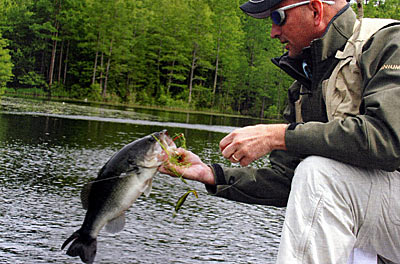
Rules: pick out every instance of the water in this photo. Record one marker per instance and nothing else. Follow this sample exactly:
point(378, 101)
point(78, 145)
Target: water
point(46, 157)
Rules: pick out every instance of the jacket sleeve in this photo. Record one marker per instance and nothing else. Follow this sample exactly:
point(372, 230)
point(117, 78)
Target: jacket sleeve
point(372, 138)
point(267, 186)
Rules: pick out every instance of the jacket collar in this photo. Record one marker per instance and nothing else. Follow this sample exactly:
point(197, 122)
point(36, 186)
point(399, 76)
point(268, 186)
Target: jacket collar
point(339, 30)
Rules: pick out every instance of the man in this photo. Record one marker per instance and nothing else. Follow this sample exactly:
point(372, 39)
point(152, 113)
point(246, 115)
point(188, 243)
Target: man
point(339, 156)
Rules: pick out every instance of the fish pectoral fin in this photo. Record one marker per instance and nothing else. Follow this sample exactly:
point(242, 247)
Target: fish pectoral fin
point(147, 187)
point(85, 195)
point(116, 225)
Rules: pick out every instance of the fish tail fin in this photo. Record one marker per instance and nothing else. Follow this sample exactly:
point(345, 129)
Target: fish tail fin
point(82, 245)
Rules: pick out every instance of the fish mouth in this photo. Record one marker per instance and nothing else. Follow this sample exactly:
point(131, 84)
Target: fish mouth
point(165, 140)
point(166, 145)
point(161, 146)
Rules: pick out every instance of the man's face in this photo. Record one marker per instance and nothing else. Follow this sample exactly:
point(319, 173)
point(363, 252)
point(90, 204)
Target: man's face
point(297, 31)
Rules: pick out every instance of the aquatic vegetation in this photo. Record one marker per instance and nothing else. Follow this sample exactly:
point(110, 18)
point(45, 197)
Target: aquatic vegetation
point(23, 105)
point(175, 158)
point(178, 160)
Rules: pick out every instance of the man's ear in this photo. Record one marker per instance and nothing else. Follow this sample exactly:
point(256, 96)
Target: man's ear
point(317, 8)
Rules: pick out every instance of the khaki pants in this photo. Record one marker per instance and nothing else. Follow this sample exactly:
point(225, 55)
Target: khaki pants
point(334, 207)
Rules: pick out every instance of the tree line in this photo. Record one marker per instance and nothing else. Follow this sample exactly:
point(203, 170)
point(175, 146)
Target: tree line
point(198, 54)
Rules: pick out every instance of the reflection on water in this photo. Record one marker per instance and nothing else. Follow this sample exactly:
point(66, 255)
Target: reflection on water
point(44, 162)
point(122, 113)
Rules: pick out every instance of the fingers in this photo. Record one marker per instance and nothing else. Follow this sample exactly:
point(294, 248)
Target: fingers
point(168, 167)
point(238, 146)
point(178, 161)
point(239, 158)
point(228, 147)
point(171, 169)
point(231, 148)
point(163, 156)
point(229, 151)
point(235, 159)
point(163, 170)
point(245, 161)
point(226, 141)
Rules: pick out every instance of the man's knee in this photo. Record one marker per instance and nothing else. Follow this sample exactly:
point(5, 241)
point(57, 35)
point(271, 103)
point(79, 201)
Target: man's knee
point(316, 170)
point(318, 163)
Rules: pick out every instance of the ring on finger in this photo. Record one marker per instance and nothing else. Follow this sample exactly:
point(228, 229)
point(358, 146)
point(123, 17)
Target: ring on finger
point(234, 158)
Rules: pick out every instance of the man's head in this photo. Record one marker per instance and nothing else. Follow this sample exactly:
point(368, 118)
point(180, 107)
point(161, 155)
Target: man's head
point(295, 22)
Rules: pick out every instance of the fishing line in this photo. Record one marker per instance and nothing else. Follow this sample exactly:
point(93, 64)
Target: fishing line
point(123, 176)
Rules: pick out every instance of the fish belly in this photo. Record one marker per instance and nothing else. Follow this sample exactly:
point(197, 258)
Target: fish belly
point(138, 184)
point(124, 194)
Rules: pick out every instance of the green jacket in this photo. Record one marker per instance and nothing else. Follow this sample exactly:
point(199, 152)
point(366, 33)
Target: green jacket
point(369, 139)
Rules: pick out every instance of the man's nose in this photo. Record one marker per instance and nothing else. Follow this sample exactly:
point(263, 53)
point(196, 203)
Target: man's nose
point(275, 31)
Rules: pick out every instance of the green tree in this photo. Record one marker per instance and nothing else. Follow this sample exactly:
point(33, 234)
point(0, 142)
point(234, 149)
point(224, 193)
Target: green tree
point(171, 47)
point(5, 58)
point(229, 37)
point(5, 65)
point(202, 44)
point(201, 53)
point(382, 9)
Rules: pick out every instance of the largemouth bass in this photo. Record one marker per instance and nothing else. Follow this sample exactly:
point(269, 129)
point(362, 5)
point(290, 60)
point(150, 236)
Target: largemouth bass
point(125, 176)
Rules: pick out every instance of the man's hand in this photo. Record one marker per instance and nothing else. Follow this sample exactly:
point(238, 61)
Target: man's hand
point(248, 144)
point(194, 170)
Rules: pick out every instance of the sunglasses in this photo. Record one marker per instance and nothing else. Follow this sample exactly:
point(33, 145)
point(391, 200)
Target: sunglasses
point(278, 16)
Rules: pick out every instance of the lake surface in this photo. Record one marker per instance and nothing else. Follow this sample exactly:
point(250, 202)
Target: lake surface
point(48, 151)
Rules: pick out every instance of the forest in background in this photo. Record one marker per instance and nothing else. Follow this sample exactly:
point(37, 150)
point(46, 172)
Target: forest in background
point(189, 54)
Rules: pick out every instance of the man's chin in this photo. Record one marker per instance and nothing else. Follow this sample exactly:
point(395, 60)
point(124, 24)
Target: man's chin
point(293, 54)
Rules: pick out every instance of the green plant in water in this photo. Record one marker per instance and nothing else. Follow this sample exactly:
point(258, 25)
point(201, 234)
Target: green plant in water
point(174, 157)
point(182, 140)
point(178, 160)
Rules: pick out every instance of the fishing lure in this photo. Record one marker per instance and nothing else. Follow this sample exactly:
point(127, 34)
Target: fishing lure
point(182, 199)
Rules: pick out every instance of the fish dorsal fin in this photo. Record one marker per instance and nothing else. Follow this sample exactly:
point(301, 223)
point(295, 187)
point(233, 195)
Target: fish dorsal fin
point(85, 195)
point(117, 224)
point(147, 187)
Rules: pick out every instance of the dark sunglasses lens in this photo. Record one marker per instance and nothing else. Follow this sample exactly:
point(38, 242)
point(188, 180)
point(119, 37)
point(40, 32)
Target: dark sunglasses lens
point(277, 18)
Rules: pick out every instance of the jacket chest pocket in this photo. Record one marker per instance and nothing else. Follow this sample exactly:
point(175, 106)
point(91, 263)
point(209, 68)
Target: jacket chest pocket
point(342, 91)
